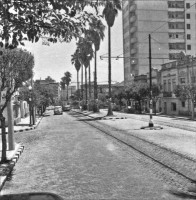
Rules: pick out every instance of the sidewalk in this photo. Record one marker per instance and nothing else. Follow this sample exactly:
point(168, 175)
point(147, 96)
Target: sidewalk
point(24, 125)
point(178, 134)
point(13, 155)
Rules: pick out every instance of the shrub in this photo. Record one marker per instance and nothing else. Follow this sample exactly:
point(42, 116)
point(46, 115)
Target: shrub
point(84, 107)
point(129, 110)
point(116, 108)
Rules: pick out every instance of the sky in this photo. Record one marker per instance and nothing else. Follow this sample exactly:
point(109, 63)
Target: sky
point(55, 60)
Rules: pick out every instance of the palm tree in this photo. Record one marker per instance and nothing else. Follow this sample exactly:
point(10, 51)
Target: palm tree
point(65, 80)
point(96, 34)
point(76, 61)
point(110, 12)
point(86, 54)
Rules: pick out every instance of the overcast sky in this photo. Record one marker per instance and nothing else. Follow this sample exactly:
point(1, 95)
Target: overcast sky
point(55, 59)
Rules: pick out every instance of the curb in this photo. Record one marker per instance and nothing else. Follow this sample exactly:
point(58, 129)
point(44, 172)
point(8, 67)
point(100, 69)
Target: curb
point(30, 128)
point(101, 118)
point(113, 118)
point(8, 167)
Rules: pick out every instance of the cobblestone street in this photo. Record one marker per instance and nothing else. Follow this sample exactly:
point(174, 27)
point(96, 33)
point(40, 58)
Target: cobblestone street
point(76, 161)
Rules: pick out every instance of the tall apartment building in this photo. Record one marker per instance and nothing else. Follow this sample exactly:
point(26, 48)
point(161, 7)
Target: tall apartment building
point(171, 24)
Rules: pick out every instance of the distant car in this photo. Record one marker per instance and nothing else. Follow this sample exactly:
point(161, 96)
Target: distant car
point(58, 110)
point(50, 108)
point(66, 108)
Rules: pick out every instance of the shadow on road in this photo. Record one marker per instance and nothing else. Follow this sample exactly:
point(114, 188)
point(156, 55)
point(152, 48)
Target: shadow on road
point(79, 115)
point(189, 194)
point(183, 195)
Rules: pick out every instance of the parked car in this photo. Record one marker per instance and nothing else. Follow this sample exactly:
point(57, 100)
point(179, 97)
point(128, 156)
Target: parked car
point(58, 110)
point(66, 108)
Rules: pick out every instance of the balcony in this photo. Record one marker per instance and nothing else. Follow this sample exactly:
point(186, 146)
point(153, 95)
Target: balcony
point(133, 40)
point(133, 19)
point(167, 94)
point(133, 8)
point(133, 29)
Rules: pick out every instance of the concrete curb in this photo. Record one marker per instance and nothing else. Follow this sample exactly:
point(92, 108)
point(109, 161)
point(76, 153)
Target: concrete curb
point(113, 118)
point(27, 129)
point(30, 128)
point(100, 118)
point(8, 167)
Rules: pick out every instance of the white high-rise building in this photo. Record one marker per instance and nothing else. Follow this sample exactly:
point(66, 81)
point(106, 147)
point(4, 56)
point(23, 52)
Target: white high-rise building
point(171, 24)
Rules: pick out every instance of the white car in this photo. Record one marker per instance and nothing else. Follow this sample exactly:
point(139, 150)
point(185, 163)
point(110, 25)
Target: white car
point(58, 110)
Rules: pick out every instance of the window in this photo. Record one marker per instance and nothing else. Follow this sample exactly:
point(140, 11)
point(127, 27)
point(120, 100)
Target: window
point(188, 36)
point(188, 16)
point(175, 36)
point(173, 84)
point(183, 104)
point(193, 79)
point(177, 46)
point(176, 25)
point(169, 85)
point(175, 4)
point(187, 5)
point(188, 26)
point(182, 80)
point(173, 106)
point(164, 86)
point(188, 47)
point(170, 35)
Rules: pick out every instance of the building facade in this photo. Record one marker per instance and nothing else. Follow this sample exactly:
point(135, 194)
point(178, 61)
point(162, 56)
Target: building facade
point(171, 25)
point(174, 73)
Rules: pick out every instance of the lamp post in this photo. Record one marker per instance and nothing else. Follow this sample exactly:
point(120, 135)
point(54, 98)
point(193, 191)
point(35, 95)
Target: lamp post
point(150, 77)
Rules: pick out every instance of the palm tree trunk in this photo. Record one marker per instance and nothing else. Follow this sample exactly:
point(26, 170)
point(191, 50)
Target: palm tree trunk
point(109, 72)
point(95, 77)
point(78, 89)
point(192, 114)
point(82, 92)
point(77, 80)
point(89, 81)
point(86, 91)
point(67, 92)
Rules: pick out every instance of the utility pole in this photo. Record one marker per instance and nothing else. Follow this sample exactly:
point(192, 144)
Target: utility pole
point(150, 125)
point(150, 77)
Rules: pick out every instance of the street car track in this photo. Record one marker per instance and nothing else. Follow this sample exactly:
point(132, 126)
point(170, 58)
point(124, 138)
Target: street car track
point(174, 169)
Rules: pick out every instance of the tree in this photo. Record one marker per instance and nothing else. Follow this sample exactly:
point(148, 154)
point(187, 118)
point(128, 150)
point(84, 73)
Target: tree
point(110, 12)
point(95, 34)
point(65, 80)
point(16, 67)
point(49, 79)
point(119, 94)
point(84, 47)
point(76, 62)
point(138, 92)
point(32, 19)
point(186, 92)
